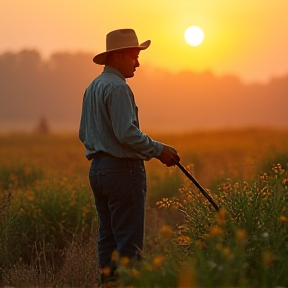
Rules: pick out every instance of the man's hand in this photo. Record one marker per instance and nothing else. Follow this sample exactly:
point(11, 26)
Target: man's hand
point(169, 156)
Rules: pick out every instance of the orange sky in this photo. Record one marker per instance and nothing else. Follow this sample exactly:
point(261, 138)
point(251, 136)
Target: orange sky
point(243, 37)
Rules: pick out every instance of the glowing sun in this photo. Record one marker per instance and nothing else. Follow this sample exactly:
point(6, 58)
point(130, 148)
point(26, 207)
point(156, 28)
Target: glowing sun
point(194, 35)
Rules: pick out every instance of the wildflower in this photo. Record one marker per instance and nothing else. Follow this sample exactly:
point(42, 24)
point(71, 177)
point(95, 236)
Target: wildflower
point(268, 257)
point(176, 204)
point(215, 231)
point(245, 186)
point(236, 185)
point(166, 232)
point(227, 252)
point(190, 168)
point(183, 240)
point(220, 217)
point(181, 190)
point(285, 182)
point(124, 261)
point(278, 169)
point(241, 236)
point(105, 271)
point(264, 176)
point(30, 197)
point(158, 260)
point(164, 203)
point(283, 219)
point(114, 256)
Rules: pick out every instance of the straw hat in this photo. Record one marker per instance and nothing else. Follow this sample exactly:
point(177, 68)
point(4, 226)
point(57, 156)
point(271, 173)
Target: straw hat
point(119, 40)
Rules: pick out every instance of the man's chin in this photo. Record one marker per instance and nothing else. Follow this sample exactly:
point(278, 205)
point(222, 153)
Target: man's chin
point(130, 76)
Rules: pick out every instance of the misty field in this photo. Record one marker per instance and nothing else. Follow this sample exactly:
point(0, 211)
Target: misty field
point(49, 224)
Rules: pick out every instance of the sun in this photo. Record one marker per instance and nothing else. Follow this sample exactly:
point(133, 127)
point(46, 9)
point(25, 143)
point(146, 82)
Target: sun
point(194, 35)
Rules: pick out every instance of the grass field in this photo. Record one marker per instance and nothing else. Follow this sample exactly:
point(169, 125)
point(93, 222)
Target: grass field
point(49, 225)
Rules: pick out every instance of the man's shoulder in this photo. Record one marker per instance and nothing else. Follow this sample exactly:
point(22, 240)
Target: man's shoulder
point(113, 78)
point(108, 80)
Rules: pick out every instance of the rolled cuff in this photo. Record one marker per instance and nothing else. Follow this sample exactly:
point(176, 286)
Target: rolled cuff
point(158, 149)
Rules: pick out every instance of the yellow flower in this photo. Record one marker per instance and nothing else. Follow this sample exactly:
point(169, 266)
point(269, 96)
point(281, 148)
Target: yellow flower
point(166, 232)
point(227, 253)
point(114, 256)
point(215, 231)
point(220, 217)
point(264, 176)
point(125, 261)
point(241, 236)
point(283, 219)
point(237, 185)
point(158, 260)
point(183, 240)
point(105, 271)
point(30, 197)
point(268, 257)
point(164, 203)
point(278, 169)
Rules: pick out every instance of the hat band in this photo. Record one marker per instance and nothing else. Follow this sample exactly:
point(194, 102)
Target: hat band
point(121, 44)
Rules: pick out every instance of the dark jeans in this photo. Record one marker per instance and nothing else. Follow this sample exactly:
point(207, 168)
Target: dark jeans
point(119, 187)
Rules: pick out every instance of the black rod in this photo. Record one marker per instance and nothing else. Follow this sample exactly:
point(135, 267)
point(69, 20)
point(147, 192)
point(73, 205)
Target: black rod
point(196, 183)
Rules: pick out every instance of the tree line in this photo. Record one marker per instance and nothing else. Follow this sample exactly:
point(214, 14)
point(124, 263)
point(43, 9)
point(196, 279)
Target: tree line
point(32, 87)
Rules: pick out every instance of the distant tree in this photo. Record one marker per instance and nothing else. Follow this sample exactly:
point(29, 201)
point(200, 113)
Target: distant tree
point(42, 127)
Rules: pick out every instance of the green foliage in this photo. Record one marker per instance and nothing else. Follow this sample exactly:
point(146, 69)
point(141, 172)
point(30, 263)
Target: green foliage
point(48, 222)
point(271, 159)
point(43, 219)
point(19, 176)
point(245, 244)
point(162, 182)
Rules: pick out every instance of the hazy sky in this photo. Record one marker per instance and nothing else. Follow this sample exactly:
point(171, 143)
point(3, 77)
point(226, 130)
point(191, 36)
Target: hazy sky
point(248, 38)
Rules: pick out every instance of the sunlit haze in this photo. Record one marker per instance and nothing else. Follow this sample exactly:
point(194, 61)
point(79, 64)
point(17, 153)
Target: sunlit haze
point(237, 76)
point(245, 38)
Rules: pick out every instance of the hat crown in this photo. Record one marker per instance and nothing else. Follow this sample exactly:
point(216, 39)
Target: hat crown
point(121, 38)
point(118, 40)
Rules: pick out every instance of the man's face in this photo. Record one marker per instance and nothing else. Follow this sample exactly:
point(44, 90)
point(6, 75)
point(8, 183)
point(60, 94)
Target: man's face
point(128, 62)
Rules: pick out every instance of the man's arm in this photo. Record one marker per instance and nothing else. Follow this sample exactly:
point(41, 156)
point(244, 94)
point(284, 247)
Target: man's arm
point(124, 121)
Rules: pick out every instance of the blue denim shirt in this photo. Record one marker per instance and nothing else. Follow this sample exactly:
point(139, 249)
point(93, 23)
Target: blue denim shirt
point(109, 120)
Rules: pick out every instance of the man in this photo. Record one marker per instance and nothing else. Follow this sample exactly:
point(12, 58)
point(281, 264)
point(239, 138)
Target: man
point(109, 129)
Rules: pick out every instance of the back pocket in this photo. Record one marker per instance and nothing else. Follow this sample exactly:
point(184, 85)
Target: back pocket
point(111, 183)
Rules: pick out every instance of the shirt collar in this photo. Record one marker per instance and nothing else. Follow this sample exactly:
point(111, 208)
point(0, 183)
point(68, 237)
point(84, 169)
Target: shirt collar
point(109, 69)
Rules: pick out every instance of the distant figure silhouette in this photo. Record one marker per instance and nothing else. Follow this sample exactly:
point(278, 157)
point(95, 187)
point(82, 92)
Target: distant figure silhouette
point(42, 127)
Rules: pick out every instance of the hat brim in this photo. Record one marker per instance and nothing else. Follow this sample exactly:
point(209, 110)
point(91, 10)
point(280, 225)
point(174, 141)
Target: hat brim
point(102, 57)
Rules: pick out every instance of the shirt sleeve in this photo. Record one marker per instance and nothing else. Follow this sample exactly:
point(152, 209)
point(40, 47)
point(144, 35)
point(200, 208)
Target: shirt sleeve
point(124, 119)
